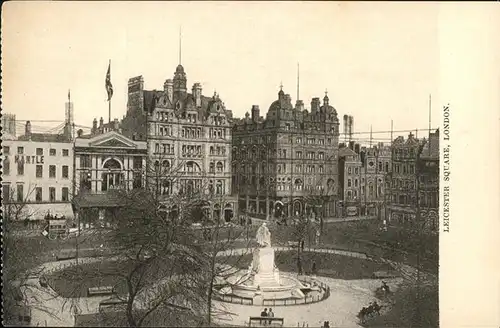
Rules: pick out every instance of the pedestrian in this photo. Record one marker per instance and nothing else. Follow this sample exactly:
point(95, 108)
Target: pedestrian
point(270, 314)
point(263, 314)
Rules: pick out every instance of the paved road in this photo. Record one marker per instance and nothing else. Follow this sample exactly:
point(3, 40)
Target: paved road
point(347, 296)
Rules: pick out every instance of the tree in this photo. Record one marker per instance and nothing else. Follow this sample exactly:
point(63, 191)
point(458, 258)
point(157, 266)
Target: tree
point(19, 257)
point(220, 239)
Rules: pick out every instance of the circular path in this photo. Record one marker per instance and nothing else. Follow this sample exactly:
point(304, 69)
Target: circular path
point(346, 298)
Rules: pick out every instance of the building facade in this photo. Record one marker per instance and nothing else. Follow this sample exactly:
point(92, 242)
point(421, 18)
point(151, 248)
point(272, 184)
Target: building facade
point(428, 179)
point(403, 177)
point(350, 168)
point(286, 163)
point(376, 162)
point(38, 172)
point(188, 140)
point(105, 162)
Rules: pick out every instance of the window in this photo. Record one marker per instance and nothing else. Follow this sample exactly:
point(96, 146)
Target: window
point(85, 161)
point(349, 170)
point(52, 194)
point(65, 194)
point(65, 152)
point(65, 172)
point(39, 171)
point(321, 141)
point(299, 140)
point(6, 150)
point(329, 141)
point(137, 163)
point(287, 126)
point(386, 167)
point(20, 193)
point(298, 154)
point(52, 152)
point(321, 169)
point(356, 171)
point(20, 150)
point(6, 191)
point(349, 182)
point(39, 151)
point(6, 166)
point(220, 167)
point(284, 153)
point(52, 171)
point(355, 182)
point(321, 155)
point(38, 194)
point(20, 166)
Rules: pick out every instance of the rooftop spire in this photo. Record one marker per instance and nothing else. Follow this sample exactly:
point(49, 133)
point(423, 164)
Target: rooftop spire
point(298, 81)
point(180, 45)
point(281, 86)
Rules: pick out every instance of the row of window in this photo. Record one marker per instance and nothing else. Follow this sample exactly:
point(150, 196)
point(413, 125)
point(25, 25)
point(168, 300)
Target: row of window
point(38, 170)
point(403, 168)
point(192, 133)
point(405, 184)
point(190, 186)
point(21, 197)
point(39, 151)
point(298, 140)
point(219, 166)
point(404, 153)
point(218, 150)
point(281, 168)
point(86, 161)
point(217, 133)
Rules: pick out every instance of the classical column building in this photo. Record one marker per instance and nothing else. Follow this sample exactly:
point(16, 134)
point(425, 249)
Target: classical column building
point(105, 160)
point(286, 163)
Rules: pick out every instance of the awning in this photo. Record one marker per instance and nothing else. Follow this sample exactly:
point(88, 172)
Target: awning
point(38, 211)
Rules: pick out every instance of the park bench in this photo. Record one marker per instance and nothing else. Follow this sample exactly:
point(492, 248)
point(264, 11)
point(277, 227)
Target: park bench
point(112, 303)
point(266, 321)
point(102, 290)
point(65, 256)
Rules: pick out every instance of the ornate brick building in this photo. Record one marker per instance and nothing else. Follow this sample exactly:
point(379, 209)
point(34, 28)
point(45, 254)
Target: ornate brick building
point(350, 166)
point(403, 193)
point(428, 179)
point(284, 163)
point(376, 166)
point(188, 137)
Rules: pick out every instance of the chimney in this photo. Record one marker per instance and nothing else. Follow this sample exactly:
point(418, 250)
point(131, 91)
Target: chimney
point(299, 105)
point(27, 131)
point(315, 103)
point(356, 148)
point(116, 124)
point(255, 113)
point(351, 145)
point(135, 102)
point(101, 123)
point(341, 145)
point(79, 133)
point(94, 126)
point(197, 94)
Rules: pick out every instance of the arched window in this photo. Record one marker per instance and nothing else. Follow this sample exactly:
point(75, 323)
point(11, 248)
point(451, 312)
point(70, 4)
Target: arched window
point(166, 165)
point(192, 167)
point(218, 188)
point(299, 185)
point(212, 167)
point(211, 150)
point(220, 167)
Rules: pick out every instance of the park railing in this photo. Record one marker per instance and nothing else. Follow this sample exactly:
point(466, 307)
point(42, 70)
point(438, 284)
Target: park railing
point(233, 299)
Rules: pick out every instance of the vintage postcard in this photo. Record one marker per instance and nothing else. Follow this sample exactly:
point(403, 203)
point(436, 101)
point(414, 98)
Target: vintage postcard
point(250, 164)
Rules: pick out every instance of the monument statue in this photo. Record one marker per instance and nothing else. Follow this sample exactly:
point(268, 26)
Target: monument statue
point(263, 236)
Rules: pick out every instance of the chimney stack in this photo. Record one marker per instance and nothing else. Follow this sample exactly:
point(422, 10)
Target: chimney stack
point(101, 123)
point(315, 104)
point(79, 133)
point(197, 94)
point(27, 131)
point(255, 113)
point(351, 145)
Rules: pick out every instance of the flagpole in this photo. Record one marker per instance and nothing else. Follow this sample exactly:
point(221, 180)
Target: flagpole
point(109, 100)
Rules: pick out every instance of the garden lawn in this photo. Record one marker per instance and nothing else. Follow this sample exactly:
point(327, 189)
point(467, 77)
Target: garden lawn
point(328, 265)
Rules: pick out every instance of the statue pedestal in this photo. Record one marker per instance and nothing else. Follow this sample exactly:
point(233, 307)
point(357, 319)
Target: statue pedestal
point(263, 263)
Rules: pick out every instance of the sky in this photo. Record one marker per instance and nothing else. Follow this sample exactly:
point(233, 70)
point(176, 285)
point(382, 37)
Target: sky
point(378, 61)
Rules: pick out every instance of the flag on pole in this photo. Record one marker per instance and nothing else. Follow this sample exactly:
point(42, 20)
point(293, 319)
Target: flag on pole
point(109, 86)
